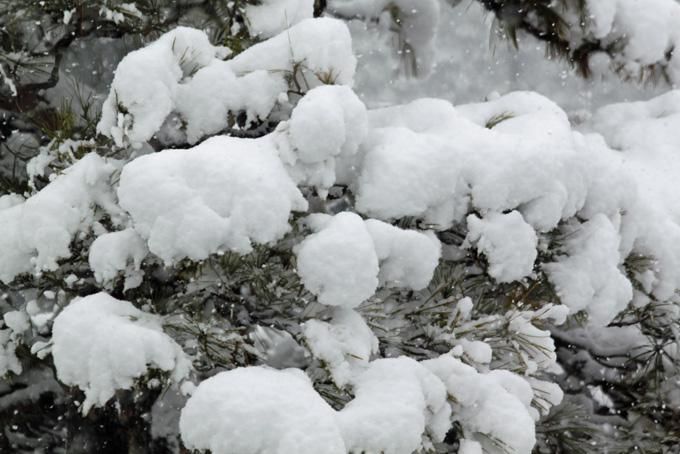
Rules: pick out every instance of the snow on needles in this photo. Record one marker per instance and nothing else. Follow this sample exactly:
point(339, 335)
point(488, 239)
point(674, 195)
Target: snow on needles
point(101, 344)
point(347, 258)
point(510, 172)
point(320, 141)
point(397, 401)
point(256, 410)
point(220, 195)
point(264, 411)
point(508, 242)
point(38, 232)
point(182, 72)
point(647, 32)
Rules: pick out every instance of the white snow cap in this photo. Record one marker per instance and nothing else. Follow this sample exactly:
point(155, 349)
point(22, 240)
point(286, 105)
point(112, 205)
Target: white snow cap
point(8, 358)
point(257, 410)
point(493, 404)
point(220, 195)
point(429, 160)
point(39, 231)
point(322, 137)
point(407, 257)
point(588, 276)
point(345, 261)
point(338, 263)
point(397, 401)
point(101, 344)
point(114, 252)
point(145, 83)
point(508, 243)
point(345, 344)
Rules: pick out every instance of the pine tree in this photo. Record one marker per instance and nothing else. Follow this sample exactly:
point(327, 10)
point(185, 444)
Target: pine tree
point(423, 291)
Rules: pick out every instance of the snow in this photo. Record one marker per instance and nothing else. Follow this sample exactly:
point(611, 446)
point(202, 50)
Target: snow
point(182, 72)
point(257, 410)
point(588, 276)
point(322, 137)
point(10, 200)
point(464, 308)
point(477, 351)
point(511, 170)
point(647, 31)
point(113, 252)
point(274, 16)
point(8, 359)
point(218, 196)
point(644, 138)
point(339, 263)
point(145, 83)
point(101, 344)
point(396, 401)
point(518, 166)
point(345, 344)
point(547, 393)
point(345, 261)
point(17, 321)
point(322, 48)
point(508, 243)
point(407, 257)
point(486, 405)
point(205, 101)
point(429, 159)
point(38, 232)
point(262, 410)
point(535, 345)
point(469, 447)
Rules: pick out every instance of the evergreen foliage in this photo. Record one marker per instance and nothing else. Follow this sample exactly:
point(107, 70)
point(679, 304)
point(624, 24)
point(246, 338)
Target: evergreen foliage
point(234, 310)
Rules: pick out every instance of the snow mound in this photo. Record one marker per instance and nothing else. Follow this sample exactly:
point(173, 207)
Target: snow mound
point(338, 263)
point(347, 258)
point(492, 406)
point(8, 358)
point(322, 137)
point(588, 276)
point(407, 258)
point(645, 140)
point(429, 160)
point(256, 410)
point(145, 83)
point(397, 401)
point(101, 344)
point(220, 195)
point(261, 411)
point(114, 252)
point(38, 232)
point(508, 242)
point(345, 344)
